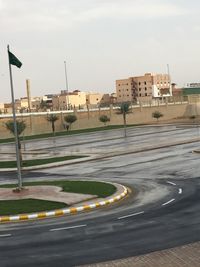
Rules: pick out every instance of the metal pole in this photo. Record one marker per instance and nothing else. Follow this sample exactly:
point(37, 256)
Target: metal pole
point(15, 128)
point(67, 87)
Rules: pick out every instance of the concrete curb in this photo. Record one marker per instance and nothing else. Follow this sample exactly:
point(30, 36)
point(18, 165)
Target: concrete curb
point(61, 212)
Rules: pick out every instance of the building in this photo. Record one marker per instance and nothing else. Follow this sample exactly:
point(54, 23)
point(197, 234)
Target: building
point(65, 100)
point(97, 99)
point(1, 108)
point(143, 88)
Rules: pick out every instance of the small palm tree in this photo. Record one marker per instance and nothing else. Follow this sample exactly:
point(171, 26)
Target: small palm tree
point(21, 126)
point(157, 114)
point(71, 118)
point(124, 110)
point(104, 119)
point(52, 118)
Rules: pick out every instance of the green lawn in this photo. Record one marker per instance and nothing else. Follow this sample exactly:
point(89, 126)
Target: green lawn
point(35, 162)
point(11, 207)
point(84, 187)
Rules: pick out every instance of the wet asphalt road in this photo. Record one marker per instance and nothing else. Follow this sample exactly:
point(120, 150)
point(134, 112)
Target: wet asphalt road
point(163, 212)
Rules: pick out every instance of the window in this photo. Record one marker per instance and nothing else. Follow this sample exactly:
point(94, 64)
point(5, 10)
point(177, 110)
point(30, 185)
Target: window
point(145, 88)
point(145, 94)
point(139, 89)
point(145, 82)
point(139, 83)
point(140, 94)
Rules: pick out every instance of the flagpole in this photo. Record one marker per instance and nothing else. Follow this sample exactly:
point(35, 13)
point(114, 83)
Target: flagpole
point(15, 128)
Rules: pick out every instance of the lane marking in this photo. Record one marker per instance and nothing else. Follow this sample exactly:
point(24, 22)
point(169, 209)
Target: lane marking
point(166, 203)
point(180, 191)
point(171, 183)
point(5, 235)
point(130, 215)
point(67, 228)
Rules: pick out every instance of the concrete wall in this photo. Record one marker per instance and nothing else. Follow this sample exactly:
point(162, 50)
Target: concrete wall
point(38, 123)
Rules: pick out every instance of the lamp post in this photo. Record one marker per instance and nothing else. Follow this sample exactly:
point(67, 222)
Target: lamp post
point(67, 87)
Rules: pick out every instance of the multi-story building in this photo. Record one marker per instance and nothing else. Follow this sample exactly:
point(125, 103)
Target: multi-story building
point(143, 88)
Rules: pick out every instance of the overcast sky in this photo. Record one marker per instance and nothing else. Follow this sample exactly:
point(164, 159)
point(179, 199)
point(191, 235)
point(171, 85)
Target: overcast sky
point(101, 41)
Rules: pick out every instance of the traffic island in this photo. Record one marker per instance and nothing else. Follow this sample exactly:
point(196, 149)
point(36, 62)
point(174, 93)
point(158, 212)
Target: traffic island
point(71, 203)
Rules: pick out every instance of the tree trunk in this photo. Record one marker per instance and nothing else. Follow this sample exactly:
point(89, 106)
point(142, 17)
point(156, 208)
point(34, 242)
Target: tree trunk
point(124, 117)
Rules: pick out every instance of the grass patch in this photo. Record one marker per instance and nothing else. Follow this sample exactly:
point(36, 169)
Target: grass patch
point(35, 162)
point(65, 133)
point(83, 187)
point(13, 207)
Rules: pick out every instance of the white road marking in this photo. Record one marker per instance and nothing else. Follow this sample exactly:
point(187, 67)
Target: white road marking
point(166, 203)
point(67, 228)
point(180, 191)
point(5, 235)
point(130, 215)
point(171, 183)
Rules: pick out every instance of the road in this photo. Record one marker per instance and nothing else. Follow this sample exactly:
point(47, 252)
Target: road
point(161, 212)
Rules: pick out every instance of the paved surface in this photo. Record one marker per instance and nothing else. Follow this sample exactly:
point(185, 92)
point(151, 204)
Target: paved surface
point(161, 216)
point(184, 256)
point(44, 192)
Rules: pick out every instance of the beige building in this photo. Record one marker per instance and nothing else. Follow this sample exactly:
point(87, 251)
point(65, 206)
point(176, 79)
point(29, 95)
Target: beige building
point(75, 99)
point(1, 108)
point(143, 88)
point(97, 99)
point(23, 105)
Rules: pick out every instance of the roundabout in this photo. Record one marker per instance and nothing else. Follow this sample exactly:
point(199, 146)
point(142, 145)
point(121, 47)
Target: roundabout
point(163, 212)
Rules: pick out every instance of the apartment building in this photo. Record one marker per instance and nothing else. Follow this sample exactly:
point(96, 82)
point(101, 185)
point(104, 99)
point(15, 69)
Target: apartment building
point(143, 88)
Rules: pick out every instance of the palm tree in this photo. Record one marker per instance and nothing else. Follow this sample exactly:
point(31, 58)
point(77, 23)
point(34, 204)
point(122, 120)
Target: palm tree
point(71, 118)
point(104, 119)
point(52, 118)
point(124, 110)
point(21, 126)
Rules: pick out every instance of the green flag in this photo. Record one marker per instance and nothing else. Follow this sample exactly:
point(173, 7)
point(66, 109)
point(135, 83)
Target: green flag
point(13, 60)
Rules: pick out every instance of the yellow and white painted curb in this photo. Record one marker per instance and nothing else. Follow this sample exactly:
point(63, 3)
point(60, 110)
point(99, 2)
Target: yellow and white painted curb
point(60, 212)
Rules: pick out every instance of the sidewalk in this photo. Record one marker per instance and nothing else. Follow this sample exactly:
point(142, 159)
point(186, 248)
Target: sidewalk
point(184, 256)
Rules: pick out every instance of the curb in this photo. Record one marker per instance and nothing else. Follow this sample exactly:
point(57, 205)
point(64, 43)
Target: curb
point(61, 212)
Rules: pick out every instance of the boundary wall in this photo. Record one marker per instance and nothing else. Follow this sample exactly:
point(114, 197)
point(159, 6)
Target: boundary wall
point(37, 122)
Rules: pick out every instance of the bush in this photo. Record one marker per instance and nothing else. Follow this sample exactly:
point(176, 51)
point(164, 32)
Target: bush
point(104, 119)
point(157, 114)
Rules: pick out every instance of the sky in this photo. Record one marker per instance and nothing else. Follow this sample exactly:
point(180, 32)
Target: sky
point(100, 40)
